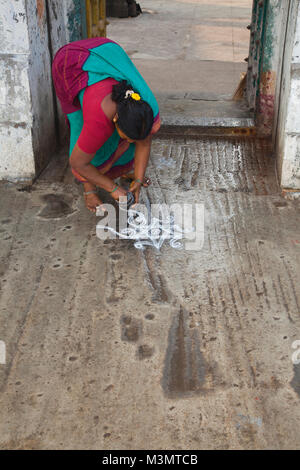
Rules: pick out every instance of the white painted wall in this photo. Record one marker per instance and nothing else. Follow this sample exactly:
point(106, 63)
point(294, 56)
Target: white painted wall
point(288, 130)
point(16, 118)
point(31, 32)
point(279, 48)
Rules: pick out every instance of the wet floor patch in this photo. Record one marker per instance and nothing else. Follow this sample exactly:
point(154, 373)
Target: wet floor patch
point(67, 227)
point(156, 280)
point(145, 351)
point(56, 207)
point(131, 329)
point(149, 316)
point(57, 263)
point(185, 368)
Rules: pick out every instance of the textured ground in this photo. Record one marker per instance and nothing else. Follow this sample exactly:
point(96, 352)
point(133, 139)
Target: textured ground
point(109, 347)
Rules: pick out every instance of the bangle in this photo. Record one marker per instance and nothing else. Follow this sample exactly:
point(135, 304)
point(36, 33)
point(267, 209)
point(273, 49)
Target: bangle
point(114, 189)
point(138, 180)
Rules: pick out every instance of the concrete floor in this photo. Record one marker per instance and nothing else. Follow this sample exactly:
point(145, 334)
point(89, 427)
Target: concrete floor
point(191, 52)
point(109, 347)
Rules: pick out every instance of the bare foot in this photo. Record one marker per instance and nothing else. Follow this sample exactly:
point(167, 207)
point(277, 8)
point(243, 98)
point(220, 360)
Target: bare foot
point(92, 200)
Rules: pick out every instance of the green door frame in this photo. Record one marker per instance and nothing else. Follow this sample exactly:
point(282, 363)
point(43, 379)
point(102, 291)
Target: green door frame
point(268, 31)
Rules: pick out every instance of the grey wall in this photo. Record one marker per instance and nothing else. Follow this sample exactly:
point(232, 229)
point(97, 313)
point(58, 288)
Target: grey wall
point(16, 120)
point(31, 123)
point(288, 126)
point(42, 104)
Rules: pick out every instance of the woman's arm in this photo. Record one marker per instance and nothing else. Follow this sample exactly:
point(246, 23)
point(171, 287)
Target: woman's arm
point(141, 158)
point(81, 162)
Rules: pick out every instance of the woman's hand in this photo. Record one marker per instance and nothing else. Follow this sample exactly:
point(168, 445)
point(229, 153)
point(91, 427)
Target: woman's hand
point(135, 188)
point(118, 193)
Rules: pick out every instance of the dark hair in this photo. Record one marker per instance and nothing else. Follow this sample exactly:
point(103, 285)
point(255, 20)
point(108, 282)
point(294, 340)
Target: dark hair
point(135, 117)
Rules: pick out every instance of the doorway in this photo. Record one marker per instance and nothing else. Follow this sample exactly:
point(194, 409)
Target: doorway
point(191, 52)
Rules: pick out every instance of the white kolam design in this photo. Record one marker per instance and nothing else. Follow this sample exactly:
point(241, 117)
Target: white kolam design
point(150, 233)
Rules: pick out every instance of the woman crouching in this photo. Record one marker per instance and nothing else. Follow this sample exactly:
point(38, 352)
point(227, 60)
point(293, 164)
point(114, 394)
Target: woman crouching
point(112, 115)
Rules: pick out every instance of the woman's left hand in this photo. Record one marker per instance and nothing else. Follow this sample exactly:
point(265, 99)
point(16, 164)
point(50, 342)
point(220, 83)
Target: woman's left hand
point(135, 188)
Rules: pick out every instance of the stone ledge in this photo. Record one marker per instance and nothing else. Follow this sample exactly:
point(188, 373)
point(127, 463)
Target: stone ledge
point(198, 112)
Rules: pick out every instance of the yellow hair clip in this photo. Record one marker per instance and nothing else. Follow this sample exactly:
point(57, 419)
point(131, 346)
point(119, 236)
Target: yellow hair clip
point(135, 96)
